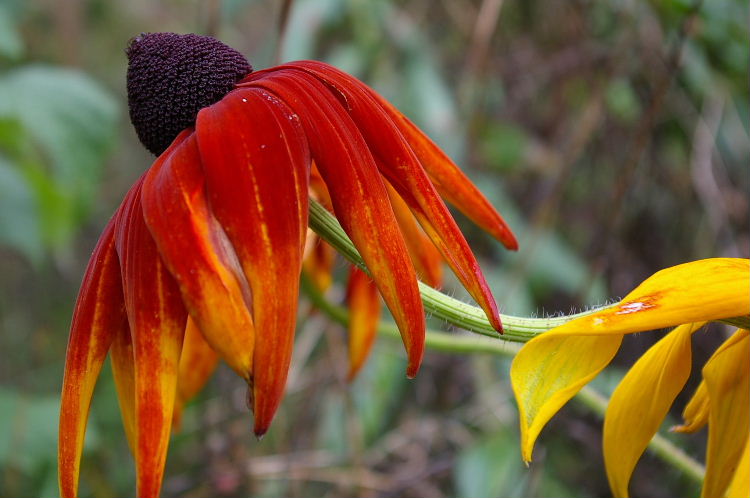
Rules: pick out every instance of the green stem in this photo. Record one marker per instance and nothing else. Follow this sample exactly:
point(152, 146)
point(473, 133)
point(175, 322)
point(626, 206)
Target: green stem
point(659, 445)
point(465, 344)
point(516, 329)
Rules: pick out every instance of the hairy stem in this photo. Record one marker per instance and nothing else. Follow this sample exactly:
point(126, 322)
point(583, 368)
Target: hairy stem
point(465, 316)
point(467, 344)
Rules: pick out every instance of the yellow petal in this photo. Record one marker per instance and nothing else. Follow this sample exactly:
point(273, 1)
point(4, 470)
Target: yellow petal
point(695, 413)
point(198, 361)
point(641, 401)
point(709, 289)
point(727, 375)
point(740, 485)
point(551, 369)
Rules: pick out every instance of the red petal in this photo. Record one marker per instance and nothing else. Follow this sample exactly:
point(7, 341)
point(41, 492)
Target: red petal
point(198, 254)
point(426, 258)
point(364, 314)
point(123, 371)
point(98, 317)
point(359, 198)
point(401, 167)
point(197, 362)
point(450, 181)
point(256, 163)
point(157, 323)
point(319, 263)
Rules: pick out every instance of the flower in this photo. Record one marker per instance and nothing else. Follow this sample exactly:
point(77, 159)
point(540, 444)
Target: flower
point(361, 293)
point(551, 368)
point(203, 257)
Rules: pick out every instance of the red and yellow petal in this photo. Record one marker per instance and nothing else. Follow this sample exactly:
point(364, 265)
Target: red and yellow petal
point(123, 370)
point(198, 254)
point(257, 175)
point(427, 260)
point(448, 178)
point(157, 320)
point(397, 162)
point(198, 361)
point(98, 318)
point(319, 263)
point(359, 198)
point(364, 315)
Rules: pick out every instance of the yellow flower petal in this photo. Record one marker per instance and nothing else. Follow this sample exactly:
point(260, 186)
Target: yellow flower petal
point(740, 485)
point(727, 375)
point(641, 401)
point(695, 413)
point(709, 289)
point(548, 371)
point(551, 368)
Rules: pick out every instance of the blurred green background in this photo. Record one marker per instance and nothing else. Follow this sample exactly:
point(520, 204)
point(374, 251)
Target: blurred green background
point(612, 135)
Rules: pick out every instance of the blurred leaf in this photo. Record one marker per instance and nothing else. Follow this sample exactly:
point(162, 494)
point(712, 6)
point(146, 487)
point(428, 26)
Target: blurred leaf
point(622, 101)
point(72, 121)
point(304, 26)
point(19, 227)
point(11, 45)
point(503, 145)
point(492, 468)
point(28, 436)
point(70, 115)
point(378, 389)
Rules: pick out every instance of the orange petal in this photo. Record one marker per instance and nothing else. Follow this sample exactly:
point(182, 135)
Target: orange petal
point(123, 371)
point(451, 182)
point(157, 324)
point(198, 361)
point(98, 317)
point(398, 163)
point(256, 163)
point(319, 189)
point(364, 314)
point(448, 178)
point(727, 376)
point(319, 264)
point(360, 200)
point(198, 254)
point(426, 258)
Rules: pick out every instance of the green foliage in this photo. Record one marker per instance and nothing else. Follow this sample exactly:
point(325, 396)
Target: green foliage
point(56, 127)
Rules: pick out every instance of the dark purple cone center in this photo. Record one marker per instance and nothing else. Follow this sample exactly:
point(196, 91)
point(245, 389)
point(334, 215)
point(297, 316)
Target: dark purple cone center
point(171, 77)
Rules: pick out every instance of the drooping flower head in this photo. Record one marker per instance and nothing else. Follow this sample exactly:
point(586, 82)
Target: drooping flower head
point(205, 252)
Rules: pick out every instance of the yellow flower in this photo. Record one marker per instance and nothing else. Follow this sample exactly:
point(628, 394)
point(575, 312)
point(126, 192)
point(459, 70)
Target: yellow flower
point(553, 367)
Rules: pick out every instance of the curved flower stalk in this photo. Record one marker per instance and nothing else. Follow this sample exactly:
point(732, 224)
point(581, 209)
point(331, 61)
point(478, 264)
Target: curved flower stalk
point(361, 292)
point(203, 258)
point(552, 367)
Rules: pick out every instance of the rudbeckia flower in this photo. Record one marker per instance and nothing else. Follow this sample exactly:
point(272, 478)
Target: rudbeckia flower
point(202, 259)
point(551, 368)
point(362, 295)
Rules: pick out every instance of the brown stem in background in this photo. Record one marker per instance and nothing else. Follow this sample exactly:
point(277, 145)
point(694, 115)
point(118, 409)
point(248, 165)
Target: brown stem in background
point(484, 26)
point(68, 15)
point(613, 219)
